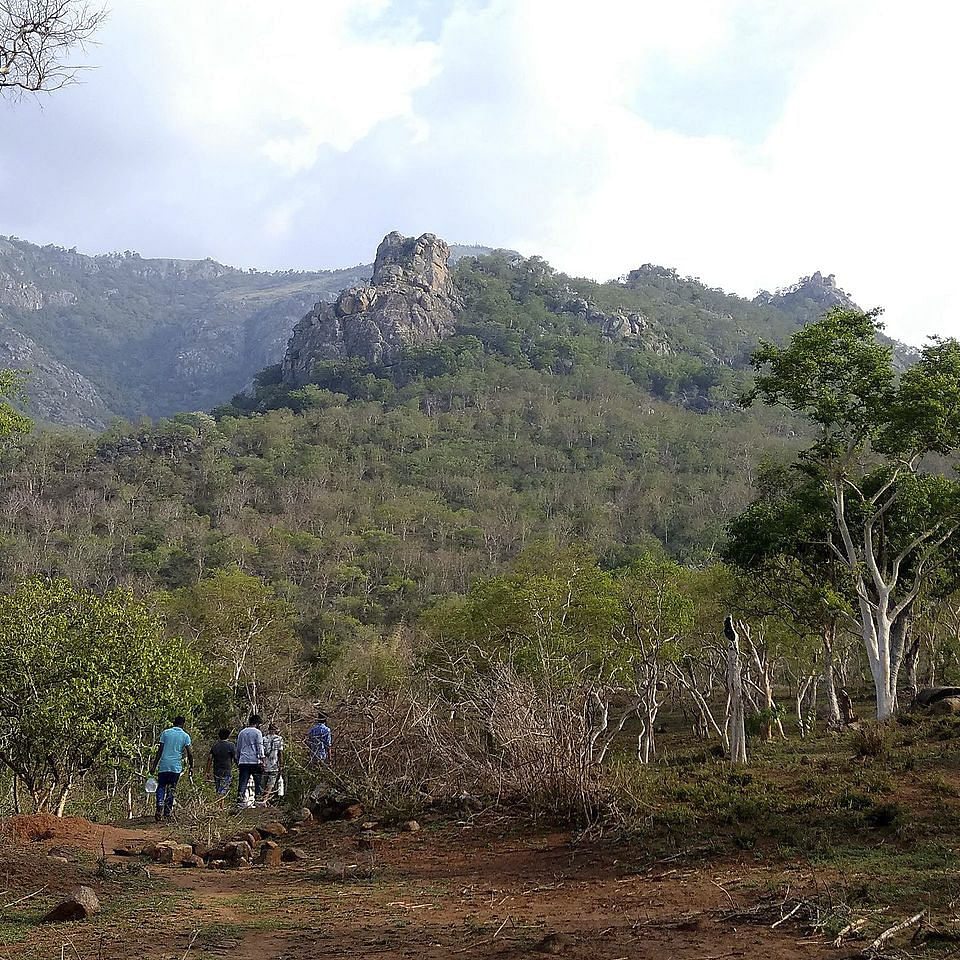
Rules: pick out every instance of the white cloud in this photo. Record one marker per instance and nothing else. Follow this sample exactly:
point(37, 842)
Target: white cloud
point(296, 134)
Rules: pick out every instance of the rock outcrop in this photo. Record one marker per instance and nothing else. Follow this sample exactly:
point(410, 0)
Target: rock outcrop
point(410, 301)
point(817, 290)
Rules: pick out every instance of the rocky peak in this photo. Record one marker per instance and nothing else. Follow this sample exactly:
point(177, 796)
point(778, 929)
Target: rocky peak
point(410, 301)
point(820, 290)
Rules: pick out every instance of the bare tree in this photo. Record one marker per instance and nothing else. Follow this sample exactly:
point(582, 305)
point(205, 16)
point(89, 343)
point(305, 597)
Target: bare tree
point(36, 40)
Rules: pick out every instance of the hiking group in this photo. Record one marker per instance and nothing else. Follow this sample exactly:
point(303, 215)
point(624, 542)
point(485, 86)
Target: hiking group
point(258, 758)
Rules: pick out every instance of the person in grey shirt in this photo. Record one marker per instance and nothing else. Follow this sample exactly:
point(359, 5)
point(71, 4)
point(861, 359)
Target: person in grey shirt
point(272, 762)
point(250, 759)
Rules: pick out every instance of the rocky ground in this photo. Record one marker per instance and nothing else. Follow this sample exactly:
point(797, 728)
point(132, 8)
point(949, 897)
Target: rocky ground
point(450, 889)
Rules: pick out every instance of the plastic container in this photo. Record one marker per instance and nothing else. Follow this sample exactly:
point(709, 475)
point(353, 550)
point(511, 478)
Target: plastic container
point(151, 785)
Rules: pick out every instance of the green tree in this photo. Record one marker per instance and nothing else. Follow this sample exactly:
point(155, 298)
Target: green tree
point(244, 628)
point(12, 421)
point(81, 676)
point(893, 516)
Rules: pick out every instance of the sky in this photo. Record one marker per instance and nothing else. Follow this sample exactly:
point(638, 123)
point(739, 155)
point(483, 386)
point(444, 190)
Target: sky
point(745, 142)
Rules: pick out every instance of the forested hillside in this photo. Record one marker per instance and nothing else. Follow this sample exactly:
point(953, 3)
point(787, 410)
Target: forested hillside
point(372, 490)
point(120, 335)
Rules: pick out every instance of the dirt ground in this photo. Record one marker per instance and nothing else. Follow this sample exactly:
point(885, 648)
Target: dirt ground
point(450, 890)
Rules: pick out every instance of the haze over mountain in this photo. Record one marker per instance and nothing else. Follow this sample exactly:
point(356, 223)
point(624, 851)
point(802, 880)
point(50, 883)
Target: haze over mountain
point(119, 335)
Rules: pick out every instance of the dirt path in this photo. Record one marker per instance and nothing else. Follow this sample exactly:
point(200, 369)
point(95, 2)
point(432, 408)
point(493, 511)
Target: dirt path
point(446, 891)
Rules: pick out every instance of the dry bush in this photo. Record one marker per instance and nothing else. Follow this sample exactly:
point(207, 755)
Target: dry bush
point(496, 736)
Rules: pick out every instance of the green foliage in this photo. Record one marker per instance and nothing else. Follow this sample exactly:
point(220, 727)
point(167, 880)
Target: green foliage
point(244, 630)
point(12, 422)
point(84, 679)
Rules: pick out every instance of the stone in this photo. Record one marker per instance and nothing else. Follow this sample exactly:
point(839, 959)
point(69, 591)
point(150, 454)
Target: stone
point(947, 706)
point(293, 854)
point(237, 851)
point(81, 904)
point(195, 862)
point(927, 697)
point(411, 301)
point(201, 849)
point(369, 825)
point(270, 854)
point(253, 838)
point(303, 816)
point(273, 830)
point(170, 852)
point(219, 864)
point(410, 826)
point(127, 850)
point(353, 811)
point(149, 850)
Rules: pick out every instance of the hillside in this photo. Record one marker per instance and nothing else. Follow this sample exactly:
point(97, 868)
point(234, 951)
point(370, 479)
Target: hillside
point(120, 335)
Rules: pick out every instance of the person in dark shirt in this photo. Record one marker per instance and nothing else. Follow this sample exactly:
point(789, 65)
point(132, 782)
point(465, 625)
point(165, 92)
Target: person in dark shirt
point(222, 757)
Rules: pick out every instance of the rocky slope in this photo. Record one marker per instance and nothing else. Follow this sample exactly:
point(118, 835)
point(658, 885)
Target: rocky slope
point(410, 301)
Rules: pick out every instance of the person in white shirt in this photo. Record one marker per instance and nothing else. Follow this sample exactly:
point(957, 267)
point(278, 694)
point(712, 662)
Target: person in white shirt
point(272, 761)
point(250, 759)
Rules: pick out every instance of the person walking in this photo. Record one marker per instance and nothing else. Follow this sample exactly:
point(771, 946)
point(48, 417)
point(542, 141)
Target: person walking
point(250, 759)
point(220, 760)
point(167, 765)
point(319, 740)
point(272, 761)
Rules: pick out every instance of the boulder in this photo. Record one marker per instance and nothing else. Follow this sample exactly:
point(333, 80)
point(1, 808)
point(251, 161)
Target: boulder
point(81, 904)
point(410, 301)
point(293, 854)
point(303, 816)
point(195, 862)
point(170, 852)
point(410, 826)
point(127, 850)
point(946, 706)
point(270, 854)
point(238, 851)
point(927, 697)
point(149, 850)
point(353, 811)
point(273, 830)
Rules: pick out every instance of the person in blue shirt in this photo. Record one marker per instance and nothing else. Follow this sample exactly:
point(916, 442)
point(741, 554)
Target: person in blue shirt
point(319, 740)
point(167, 764)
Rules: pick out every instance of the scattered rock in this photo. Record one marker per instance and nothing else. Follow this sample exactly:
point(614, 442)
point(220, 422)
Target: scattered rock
point(353, 812)
point(149, 850)
point(273, 830)
point(195, 862)
point(219, 864)
point(127, 850)
point(369, 825)
point(410, 826)
point(945, 707)
point(303, 816)
point(270, 854)
point(170, 852)
point(238, 851)
point(80, 905)
point(294, 854)
point(57, 853)
point(203, 850)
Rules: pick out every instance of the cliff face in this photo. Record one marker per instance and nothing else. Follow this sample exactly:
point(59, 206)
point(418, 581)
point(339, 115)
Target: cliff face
point(410, 301)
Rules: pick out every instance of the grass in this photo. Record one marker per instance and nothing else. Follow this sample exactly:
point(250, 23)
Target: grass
point(872, 816)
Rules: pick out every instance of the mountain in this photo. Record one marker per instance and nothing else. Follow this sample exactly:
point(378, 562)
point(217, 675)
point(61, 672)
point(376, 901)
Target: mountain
point(118, 335)
point(121, 335)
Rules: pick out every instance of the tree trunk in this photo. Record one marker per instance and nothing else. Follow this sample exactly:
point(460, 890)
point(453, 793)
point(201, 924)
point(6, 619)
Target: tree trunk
point(829, 676)
point(736, 733)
